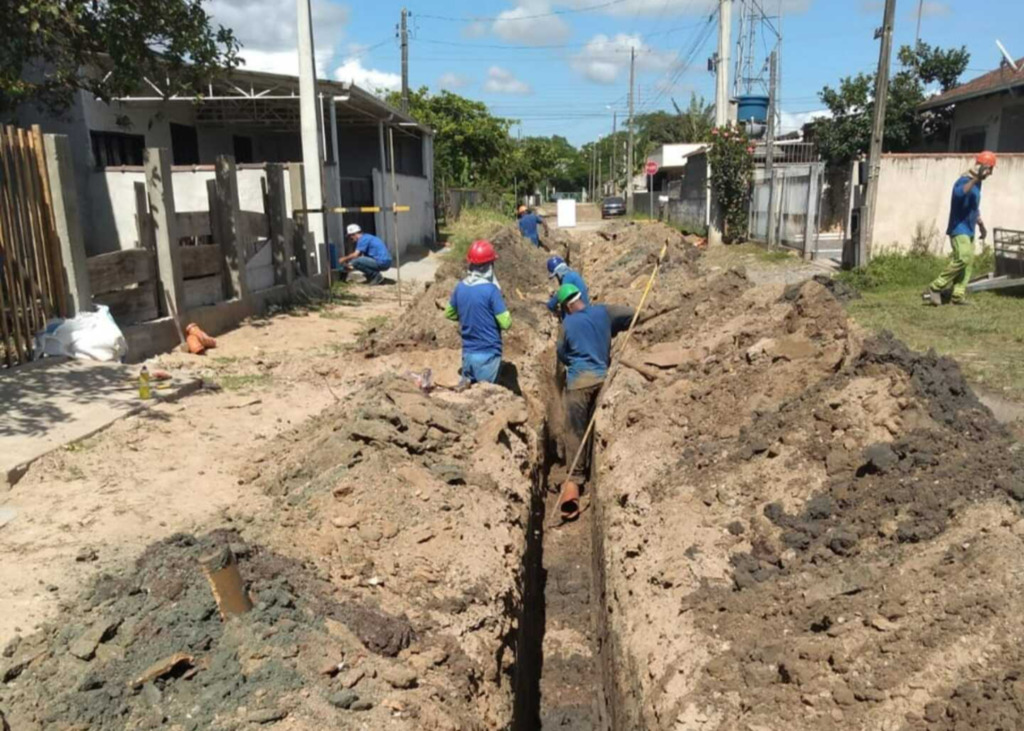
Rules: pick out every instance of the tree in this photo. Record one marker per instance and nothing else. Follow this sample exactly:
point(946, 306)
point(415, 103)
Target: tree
point(53, 48)
point(846, 134)
point(471, 146)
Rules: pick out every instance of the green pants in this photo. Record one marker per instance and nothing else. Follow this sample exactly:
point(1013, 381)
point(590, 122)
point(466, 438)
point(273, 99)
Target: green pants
point(958, 272)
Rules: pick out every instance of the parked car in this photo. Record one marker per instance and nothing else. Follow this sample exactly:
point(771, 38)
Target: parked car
point(614, 206)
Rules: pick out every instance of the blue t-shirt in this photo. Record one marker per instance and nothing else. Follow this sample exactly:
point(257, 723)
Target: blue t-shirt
point(369, 245)
point(571, 277)
point(964, 208)
point(528, 223)
point(585, 340)
point(477, 307)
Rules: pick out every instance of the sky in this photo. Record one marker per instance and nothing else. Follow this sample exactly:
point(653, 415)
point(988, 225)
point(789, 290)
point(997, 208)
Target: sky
point(562, 66)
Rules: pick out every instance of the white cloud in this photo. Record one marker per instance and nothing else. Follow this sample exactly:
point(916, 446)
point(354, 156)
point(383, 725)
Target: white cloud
point(352, 70)
point(796, 120)
point(602, 59)
point(452, 80)
point(503, 81)
point(662, 8)
point(475, 29)
point(935, 9)
point(266, 29)
point(522, 24)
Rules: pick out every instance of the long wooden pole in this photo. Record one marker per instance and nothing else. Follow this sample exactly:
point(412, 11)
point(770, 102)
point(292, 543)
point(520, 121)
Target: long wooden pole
point(394, 209)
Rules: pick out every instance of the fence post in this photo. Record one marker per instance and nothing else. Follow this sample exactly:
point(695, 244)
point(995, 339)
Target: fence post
point(233, 244)
point(277, 213)
point(813, 188)
point(302, 246)
point(60, 169)
point(160, 189)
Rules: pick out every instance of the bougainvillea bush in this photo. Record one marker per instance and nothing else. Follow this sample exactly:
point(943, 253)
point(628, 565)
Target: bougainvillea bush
point(732, 167)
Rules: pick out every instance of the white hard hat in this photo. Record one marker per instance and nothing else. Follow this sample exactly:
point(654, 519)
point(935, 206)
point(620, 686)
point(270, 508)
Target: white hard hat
point(353, 228)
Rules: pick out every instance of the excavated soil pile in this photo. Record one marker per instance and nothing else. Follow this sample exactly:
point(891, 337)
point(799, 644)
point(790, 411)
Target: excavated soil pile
point(800, 527)
point(522, 274)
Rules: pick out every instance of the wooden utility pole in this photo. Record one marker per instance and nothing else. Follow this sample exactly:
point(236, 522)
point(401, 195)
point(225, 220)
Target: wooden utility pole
point(405, 60)
point(593, 172)
point(629, 154)
point(769, 146)
point(614, 143)
point(867, 223)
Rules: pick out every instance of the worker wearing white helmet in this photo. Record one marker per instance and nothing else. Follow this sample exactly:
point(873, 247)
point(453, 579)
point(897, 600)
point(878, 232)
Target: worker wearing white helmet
point(370, 257)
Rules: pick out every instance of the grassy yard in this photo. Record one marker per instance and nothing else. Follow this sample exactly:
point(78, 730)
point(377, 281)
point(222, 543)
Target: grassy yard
point(474, 223)
point(987, 337)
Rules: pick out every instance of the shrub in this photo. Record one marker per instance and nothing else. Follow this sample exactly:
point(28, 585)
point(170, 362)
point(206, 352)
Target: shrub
point(732, 166)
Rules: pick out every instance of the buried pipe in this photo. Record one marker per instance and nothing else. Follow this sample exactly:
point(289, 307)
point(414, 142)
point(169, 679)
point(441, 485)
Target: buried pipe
point(221, 569)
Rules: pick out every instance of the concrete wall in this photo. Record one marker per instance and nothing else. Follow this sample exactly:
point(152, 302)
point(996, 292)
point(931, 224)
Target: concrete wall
point(914, 193)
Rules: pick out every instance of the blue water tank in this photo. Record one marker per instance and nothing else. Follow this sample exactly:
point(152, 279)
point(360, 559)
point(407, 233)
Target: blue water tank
point(752, 108)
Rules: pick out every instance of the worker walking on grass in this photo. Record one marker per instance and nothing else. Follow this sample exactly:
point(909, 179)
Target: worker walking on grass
point(560, 271)
point(371, 256)
point(528, 223)
point(476, 304)
point(585, 348)
point(964, 217)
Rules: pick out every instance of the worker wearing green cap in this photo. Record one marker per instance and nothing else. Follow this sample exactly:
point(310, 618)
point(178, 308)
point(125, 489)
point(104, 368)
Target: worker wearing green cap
point(585, 348)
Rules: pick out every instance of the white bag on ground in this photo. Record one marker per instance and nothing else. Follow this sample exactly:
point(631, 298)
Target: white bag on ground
point(89, 336)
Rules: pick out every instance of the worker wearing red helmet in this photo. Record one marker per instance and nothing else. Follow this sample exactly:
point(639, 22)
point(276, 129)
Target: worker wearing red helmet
point(476, 304)
point(964, 218)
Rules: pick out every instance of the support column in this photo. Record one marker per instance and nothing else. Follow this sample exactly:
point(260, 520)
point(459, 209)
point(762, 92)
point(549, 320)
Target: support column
point(61, 171)
point(302, 246)
point(233, 241)
point(277, 213)
point(382, 229)
point(160, 190)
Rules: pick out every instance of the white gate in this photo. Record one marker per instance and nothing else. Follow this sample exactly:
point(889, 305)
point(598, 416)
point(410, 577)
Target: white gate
point(785, 209)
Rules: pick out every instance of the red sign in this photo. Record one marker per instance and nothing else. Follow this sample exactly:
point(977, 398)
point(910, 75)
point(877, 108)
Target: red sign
point(651, 167)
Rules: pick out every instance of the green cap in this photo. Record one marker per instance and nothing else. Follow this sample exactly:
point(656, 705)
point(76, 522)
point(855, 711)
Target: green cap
point(568, 293)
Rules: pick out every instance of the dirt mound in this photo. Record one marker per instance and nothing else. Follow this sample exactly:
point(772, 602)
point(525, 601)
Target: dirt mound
point(522, 273)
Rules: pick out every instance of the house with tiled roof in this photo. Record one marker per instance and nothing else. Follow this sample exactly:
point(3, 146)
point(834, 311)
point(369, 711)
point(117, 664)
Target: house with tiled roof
point(988, 112)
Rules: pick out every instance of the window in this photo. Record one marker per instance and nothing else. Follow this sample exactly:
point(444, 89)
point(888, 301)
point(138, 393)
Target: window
point(408, 154)
point(971, 139)
point(243, 149)
point(184, 145)
point(112, 149)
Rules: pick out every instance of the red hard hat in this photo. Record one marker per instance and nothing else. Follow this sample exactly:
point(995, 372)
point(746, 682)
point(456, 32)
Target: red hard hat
point(481, 252)
point(986, 158)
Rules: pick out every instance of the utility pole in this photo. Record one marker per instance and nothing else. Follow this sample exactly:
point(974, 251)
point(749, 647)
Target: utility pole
point(593, 172)
point(312, 168)
point(599, 175)
point(629, 153)
point(722, 112)
point(614, 133)
point(920, 12)
point(769, 166)
point(405, 60)
point(867, 222)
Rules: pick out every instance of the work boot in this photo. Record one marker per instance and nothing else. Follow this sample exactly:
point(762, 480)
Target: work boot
point(932, 298)
point(377, 278)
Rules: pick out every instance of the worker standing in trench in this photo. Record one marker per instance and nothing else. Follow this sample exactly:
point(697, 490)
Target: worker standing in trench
point(964, 218)
point(560, 271)
point(585, 348)
point(528, 223)
point(476, 304)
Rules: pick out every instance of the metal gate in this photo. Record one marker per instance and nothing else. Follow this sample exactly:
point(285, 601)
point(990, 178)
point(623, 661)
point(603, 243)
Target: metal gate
point(785, 209)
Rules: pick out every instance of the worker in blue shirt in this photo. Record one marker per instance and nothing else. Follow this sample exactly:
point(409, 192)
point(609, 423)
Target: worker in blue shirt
point(559, 270)
point(585, 348)
point(964, 217)
point(476, 304)
point(528, 222)
point(371, 256)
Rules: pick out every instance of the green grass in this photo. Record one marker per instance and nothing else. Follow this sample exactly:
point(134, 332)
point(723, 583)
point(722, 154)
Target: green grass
point(243, 381)
point(474, 223)
point(987, 338)
point(736, 254)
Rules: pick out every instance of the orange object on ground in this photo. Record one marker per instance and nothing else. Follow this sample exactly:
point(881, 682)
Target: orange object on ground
point(569, 501)
point(197, 340)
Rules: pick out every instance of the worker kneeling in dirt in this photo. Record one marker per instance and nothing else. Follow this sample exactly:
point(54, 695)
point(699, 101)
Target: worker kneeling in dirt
point(558, 269)
point(477, 306)
point(528, 222)
point(964, 217)
point(371, 256)
point(585, 347)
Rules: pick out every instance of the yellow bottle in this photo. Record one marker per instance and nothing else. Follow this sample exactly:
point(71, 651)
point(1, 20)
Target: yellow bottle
point(144, 392)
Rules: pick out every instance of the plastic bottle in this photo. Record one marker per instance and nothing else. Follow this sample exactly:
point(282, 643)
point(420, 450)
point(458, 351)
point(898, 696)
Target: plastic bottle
point(144, 392)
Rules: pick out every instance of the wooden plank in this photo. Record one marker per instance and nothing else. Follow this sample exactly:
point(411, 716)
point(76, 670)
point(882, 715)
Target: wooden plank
point(12, 250)
point(130, 306)
point(19, 226)
point(143, 220)
point(194, 224)
point(50, 256)
point(203, 291)
point(253, 225)
point(120, 269)
point(33, 264)
point(200, 261)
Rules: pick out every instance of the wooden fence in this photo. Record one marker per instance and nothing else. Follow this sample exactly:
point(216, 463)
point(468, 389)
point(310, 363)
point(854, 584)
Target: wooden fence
point(32, 288)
